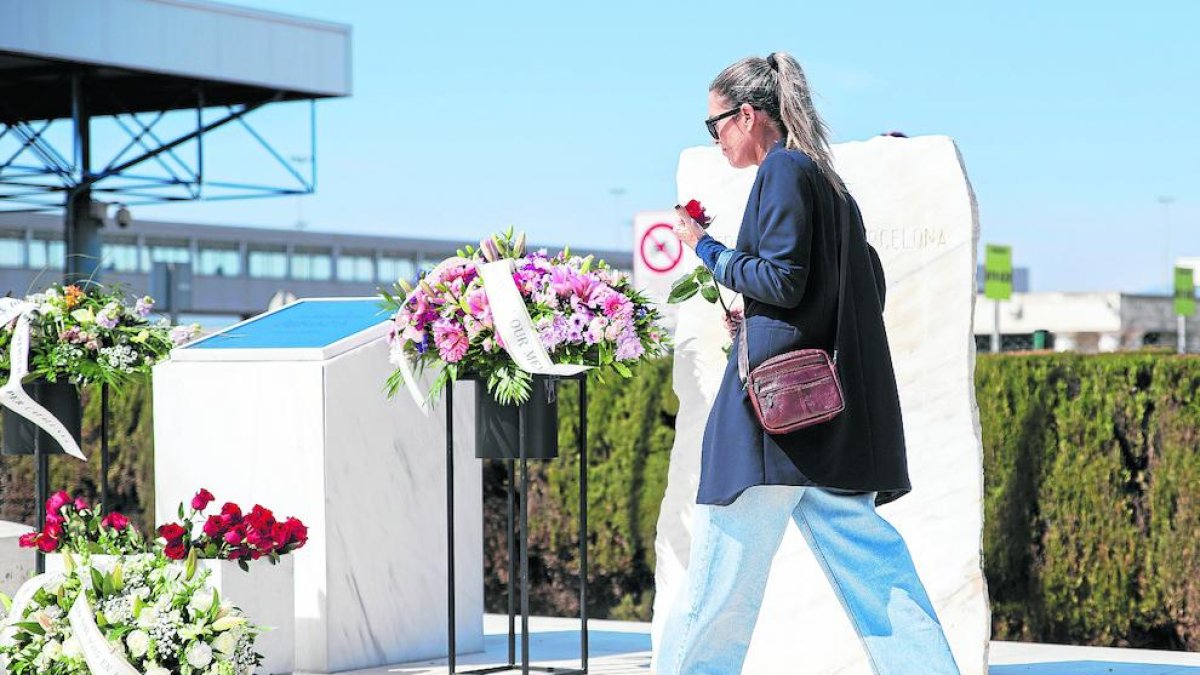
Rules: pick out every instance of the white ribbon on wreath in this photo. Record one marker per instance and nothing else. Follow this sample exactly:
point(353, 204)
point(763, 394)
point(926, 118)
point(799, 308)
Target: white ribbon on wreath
point(514, 325)
point(12, 395)
point(101, 656)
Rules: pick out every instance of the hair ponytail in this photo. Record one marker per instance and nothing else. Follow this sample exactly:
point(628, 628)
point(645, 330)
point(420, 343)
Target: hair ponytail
point(777, 86)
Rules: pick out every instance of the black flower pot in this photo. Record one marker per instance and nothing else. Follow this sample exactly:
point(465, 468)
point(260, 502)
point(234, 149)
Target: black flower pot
point(62, 400)
point(497, 427)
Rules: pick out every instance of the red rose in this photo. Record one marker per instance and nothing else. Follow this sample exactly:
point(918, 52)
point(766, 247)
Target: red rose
point(696, 211)
point(80, 504)
point(261, 519)
point(55, 518)
point(260, 540)
point(176, 551)
point(290, 535)
point(172, 532)
point(235, 536)
point(214, 527)
point(29, 539)
point(202, 499)
point(230, 514)
point(115, 520)
point(47, 544)
point(238, 553)
point(53, 530)
point(56, 501)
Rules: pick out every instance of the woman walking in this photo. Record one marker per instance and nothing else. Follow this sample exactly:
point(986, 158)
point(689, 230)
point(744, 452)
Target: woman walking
point(828, 477)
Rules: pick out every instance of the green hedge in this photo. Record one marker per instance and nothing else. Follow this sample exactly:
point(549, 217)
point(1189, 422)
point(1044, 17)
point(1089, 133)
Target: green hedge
point(1092, 509)
point(1092, 504)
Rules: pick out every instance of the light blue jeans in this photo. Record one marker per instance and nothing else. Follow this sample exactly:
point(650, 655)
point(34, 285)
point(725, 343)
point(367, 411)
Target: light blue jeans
point(866, 561)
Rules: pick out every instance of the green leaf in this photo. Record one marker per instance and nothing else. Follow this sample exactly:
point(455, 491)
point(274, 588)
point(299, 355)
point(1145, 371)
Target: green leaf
point(191, 564)
point(97, 580)
point(710, 293)
point(31, 627)
point(683, 290)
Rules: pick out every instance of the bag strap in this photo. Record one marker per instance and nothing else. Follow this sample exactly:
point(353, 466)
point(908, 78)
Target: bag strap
point(843, 265)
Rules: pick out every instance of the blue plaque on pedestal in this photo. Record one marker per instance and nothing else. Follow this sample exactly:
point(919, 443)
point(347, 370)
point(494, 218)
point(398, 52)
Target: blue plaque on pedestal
point(306, 329)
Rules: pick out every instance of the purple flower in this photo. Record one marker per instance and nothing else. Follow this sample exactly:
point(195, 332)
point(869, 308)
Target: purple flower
point(629, 346)
point(106, 320)
point(143, 306)
point(553, 332)
point(181, 334)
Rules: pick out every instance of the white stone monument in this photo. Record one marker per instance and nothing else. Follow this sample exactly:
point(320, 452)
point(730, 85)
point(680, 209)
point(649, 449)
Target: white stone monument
point(16, 564)
point(920, 215)
point(288, 410)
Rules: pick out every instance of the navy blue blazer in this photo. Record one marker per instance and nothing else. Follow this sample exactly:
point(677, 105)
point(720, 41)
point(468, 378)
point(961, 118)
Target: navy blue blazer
point(785, 265)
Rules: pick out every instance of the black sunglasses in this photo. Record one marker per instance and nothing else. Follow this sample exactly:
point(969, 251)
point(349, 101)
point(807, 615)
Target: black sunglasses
point(711, 122)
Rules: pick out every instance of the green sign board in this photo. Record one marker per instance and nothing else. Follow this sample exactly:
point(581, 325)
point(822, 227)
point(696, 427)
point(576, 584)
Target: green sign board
point(998, 272)
point(1185, 291)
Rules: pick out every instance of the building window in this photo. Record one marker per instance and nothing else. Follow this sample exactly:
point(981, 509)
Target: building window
point(120, 256)
point(219, 262)
point(165, 252)
point(12, 249)
point(355, 267)
point(312, 265)
point(267, 264)
point(47, 254)
point(392, 269)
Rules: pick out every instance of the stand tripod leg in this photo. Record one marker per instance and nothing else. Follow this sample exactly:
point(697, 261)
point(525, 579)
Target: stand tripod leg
point(41, 492)
point(583, 522)
point(451, 651)
point(524, 549)
point(104, 448)
point(512, 566)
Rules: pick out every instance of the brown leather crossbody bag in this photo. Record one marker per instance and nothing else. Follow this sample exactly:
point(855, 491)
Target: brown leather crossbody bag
point(799, 388)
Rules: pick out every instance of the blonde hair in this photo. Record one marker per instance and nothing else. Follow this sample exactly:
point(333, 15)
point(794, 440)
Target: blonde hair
point(777, 86)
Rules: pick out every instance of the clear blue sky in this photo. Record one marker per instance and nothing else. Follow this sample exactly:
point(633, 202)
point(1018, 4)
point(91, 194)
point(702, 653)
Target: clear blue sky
point(1072, 117)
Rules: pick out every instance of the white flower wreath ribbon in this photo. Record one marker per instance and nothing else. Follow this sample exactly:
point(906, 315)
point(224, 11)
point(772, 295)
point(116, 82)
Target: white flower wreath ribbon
point(514, 325)
point(12, 395)
point(101, 656)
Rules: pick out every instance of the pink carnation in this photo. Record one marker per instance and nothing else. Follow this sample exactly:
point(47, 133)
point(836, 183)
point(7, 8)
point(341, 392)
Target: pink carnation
point(451, 340)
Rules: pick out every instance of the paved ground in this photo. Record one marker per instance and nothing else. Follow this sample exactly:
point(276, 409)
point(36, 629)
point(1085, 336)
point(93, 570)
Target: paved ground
point(623, 648)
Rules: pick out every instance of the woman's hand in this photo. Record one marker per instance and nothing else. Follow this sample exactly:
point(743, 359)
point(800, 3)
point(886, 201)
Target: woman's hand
point(687, 229)
point(734, 320)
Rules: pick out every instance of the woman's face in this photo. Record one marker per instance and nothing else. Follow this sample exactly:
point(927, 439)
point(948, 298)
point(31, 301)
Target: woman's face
point(733, 134)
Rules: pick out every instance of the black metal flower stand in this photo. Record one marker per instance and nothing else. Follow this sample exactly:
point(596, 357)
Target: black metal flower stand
point(518, 492)
point(22, 437)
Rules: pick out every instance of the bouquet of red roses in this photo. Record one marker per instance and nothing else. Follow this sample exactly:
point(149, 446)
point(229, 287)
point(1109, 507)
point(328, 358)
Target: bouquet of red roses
point(74, 526)
point(231, 534)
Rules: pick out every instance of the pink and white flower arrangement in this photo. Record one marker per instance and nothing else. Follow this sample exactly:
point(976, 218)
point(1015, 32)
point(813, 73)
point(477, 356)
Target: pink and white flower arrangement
point(585, 313)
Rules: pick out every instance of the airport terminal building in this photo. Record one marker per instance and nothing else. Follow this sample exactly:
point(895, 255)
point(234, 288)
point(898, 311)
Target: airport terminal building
point(236, 271)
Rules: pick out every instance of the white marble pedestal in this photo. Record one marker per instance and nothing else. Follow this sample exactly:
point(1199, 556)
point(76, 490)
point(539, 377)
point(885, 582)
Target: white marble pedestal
point(16, 564)
point(307, 432)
